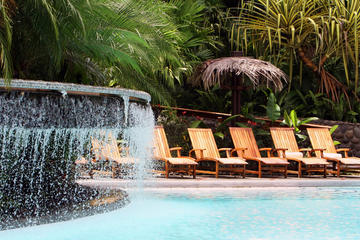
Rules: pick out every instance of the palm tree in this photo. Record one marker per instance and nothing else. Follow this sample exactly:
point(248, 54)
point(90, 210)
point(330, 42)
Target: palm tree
point(308, 31)
point(146, 45)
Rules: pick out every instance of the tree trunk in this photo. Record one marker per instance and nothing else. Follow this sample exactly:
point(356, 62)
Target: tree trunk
point(235, 101)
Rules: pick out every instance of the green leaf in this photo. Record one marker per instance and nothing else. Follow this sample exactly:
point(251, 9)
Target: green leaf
point(333, 128)
point(352, 113)
point(272, 108)
point(241, 125)
point(336, 143)
point(301, 137)
point(287, 121)
point(294, 120)
point(219, 134)
point(223, 125)
point(307, 120)
point(112, 83)
point(195, 124)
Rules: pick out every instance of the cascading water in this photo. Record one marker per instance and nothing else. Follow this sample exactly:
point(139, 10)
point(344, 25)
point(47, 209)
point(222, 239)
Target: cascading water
point(46, 127)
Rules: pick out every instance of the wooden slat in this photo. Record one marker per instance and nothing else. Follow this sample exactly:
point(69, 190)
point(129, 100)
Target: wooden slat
point(244, 138)
point(205, 172)
point(284, 138)
point(107, 149)
point(320, 138)
point(161, 146)
point(203, 138)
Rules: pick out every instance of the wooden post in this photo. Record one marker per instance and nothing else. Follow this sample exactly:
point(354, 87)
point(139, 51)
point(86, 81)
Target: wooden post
point(236, 88)
point(235, 101)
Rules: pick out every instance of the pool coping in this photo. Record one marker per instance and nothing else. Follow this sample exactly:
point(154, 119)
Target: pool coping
point(203, 182)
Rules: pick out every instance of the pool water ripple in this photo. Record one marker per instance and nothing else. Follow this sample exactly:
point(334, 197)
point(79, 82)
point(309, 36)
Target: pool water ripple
point(252, 213)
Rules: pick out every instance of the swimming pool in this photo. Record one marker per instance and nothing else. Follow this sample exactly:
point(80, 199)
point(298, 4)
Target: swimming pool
point(236, 213)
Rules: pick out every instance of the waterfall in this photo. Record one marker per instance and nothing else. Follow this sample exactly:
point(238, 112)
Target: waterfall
point(42, 134)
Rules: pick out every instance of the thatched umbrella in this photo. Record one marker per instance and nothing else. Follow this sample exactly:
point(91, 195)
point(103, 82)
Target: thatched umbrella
point(229, 72)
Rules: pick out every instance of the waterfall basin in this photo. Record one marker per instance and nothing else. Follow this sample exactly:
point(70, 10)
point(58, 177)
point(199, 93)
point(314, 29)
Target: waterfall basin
point(46, 127)
point(211, 213)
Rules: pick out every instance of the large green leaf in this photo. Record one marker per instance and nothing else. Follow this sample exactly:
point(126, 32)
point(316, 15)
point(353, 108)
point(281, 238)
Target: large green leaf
point(287, 120)
point(295, 121)
point(333, 128)
point(272, 108)
point(196, 124)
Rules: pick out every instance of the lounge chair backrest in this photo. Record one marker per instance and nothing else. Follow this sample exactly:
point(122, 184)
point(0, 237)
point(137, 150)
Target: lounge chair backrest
point(96, 148)
point(203, 138)
point(112, 149)
point(161, 146)
point(106, 149)
point(244, 138)
point(320, 138)
point(284, 138)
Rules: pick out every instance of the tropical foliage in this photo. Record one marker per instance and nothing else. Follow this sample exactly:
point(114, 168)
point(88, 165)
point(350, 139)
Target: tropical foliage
point(156, 45)
point(306, 32)
point(147, 45)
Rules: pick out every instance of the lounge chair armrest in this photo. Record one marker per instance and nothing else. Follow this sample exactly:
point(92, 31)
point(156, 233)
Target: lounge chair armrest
point(307, 151)
point(345, 150)
point(227, 151)
point(279, 151)
point(236, 150)
point(197, 149)
point(321, 150)
point(177, 149)
point(268, 151)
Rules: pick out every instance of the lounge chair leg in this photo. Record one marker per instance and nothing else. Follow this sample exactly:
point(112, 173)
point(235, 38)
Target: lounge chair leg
point(338, 169)
point(325, 171)
point(113, 168)
point(166, 169)
point(259, 173)
point(194, 171)
point(244, 171)
point(285, 173)
point(217, 169)
point(299, 170)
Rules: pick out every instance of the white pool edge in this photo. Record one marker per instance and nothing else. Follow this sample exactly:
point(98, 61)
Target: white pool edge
point(221, 183)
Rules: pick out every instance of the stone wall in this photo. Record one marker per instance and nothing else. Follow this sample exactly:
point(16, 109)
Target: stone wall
point(348, 134)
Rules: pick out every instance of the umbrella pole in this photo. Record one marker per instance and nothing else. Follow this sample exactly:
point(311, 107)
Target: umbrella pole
point(235, 101)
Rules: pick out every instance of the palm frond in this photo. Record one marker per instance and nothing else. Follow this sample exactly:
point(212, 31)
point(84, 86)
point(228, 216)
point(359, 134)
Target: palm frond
point(216, 71)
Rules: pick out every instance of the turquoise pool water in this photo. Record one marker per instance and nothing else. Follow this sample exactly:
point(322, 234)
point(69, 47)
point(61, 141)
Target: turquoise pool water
point(253, 213)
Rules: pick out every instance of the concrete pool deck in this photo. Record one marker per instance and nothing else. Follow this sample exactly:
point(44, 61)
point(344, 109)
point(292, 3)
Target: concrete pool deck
point(210, 182)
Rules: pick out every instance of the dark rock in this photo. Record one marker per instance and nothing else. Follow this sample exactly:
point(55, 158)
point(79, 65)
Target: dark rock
point(357, 131)
point(349, 134)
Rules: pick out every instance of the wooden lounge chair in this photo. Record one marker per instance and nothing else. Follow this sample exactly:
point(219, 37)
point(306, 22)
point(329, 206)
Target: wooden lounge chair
point(162, 152)
point(107, 150)
point(246, 147)
point(320, 139)
point(286, 146)
point(205, 149)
